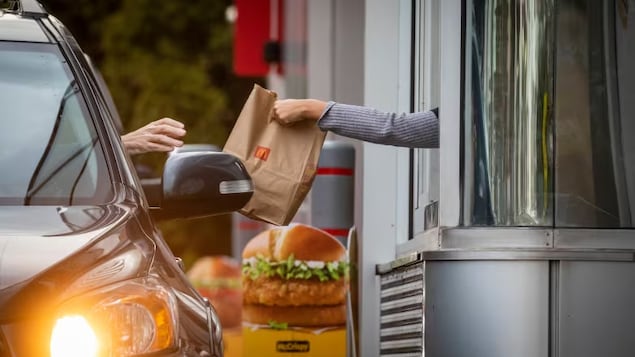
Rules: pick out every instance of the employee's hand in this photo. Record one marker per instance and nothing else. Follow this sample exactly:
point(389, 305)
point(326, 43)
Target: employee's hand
point(161, 135)
point(289, 111)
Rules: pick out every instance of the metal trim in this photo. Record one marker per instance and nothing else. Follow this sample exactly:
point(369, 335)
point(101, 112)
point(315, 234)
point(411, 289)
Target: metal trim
point(516, 243)
point(412, 342)
point(414, 272)
point(428, 240)
point(507, 237)
point(518, 237)
point(414, 286)
point(397, 263)
point(554, 307)
point(400, 330)
point(401, 303)
point(594, 238)
point(550, 254)
point(399, 317)
point(32, 8)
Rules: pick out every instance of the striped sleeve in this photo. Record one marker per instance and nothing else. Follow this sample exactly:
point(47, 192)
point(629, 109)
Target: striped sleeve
point(414, 130)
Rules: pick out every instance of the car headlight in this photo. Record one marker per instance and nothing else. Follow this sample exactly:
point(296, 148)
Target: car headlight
point(132, 318)
point(73, 328)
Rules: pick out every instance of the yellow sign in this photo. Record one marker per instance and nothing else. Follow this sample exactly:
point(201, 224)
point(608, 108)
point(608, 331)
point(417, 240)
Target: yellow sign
point(233, 342)
point(267, 342)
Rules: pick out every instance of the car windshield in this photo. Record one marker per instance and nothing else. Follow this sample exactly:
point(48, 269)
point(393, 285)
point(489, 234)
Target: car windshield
point(50, 153)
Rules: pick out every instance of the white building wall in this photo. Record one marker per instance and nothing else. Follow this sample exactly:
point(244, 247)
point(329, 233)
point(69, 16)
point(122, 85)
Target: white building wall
point(386, 181)
point(358, 52)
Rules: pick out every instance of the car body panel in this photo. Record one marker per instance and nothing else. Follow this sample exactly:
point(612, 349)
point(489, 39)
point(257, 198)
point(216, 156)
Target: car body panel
point(52, 255)
point(15, 28)
point(54, 236)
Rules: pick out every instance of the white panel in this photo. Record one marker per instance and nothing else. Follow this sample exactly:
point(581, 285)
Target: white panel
point(349, 51)
point(381, 87)
point(426, 93)
point(596, 315)
point(487, 308)
point(320, 49)
point(450, 107)
point(335, 69)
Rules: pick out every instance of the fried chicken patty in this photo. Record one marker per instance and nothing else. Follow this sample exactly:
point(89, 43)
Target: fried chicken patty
point(293, 292)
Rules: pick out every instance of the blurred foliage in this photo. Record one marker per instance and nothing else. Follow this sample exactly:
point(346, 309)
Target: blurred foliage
point(6, 4)
point(167, 59)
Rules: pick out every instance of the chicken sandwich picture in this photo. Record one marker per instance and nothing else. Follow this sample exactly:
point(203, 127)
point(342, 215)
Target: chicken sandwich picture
point(295, 275)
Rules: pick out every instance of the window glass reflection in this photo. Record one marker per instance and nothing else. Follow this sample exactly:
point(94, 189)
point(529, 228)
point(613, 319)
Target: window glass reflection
point(595, 151)
point(49, 150)
point(509, 91)
point(550, 108)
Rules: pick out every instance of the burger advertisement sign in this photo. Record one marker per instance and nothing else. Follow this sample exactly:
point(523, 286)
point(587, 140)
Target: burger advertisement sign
point(218, 278)
point(294, 282)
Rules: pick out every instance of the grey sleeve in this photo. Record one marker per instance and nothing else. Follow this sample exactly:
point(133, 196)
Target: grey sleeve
point(414, 130)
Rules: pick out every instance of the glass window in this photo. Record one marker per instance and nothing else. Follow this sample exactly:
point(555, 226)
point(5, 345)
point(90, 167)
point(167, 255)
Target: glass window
point(550, 103)
point(595, 112)
point(509, 92)
point(49, 149)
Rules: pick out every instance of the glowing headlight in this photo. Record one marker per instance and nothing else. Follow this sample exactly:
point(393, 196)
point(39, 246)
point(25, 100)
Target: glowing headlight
point(129, 319)
point(77, 330)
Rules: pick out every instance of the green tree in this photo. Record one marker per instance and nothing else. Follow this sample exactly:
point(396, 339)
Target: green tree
point(158, 58)
point(167, 59)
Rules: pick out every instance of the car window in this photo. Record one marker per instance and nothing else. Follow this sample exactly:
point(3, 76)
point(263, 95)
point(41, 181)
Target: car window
point(50, 152)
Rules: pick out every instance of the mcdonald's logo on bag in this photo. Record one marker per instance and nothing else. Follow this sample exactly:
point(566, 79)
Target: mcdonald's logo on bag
point(262, 153)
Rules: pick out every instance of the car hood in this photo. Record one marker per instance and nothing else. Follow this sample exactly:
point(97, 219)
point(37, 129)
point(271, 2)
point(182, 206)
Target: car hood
point(35, 238)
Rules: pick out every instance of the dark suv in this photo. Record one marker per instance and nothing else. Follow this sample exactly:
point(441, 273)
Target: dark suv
point(83, 269)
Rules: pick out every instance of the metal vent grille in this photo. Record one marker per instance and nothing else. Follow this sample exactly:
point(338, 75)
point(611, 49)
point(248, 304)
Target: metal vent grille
point(401, 311)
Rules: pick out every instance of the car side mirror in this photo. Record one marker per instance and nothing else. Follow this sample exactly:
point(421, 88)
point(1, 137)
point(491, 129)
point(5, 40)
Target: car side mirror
point(197, 184)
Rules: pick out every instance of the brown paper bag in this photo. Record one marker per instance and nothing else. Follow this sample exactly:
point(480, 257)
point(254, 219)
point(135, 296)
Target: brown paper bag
point(281, 160)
